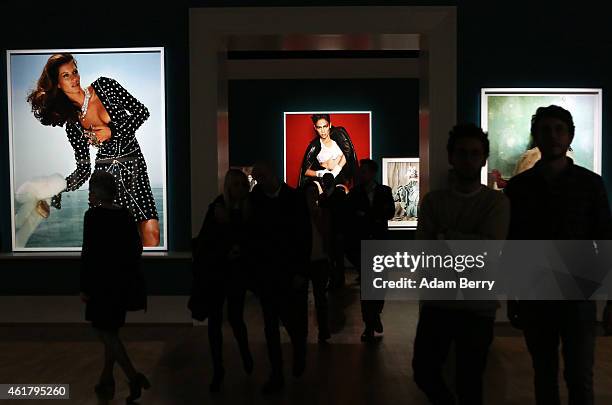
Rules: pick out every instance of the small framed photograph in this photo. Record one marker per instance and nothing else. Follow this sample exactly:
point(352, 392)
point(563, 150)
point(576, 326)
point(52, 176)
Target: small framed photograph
point(402, 175)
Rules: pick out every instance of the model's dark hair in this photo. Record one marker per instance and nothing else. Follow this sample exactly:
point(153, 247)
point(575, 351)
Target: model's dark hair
point(49, 103)
point(317, 117)
point(552, 111)
point(460, 131)
point(370, 164)
point(103, 184)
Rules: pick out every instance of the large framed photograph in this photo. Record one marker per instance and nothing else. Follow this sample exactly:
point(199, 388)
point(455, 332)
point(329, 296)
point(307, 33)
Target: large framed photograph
point(76, 111)
point(402, 175)
point(325, 142)
point(506, 116)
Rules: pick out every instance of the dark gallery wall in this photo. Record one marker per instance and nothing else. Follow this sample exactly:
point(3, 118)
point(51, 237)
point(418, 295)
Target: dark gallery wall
point(257, 106)
point(520, 44)
point(256, 116)
point(500, 44)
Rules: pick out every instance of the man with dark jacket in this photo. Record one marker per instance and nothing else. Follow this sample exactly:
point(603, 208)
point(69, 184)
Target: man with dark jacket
point(558, 200)
point(281, 243)
point(370, 208)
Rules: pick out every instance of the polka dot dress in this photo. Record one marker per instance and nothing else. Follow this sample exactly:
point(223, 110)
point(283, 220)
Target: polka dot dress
point(120, 155)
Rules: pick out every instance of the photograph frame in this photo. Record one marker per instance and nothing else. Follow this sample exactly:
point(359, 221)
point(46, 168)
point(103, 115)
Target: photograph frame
point(164, 151)
point(597, 93)
point(407, 224)
point(331, 112)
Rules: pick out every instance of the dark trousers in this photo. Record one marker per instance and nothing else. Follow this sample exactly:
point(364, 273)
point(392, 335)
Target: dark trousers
point(472, 335)
point(545, 325)
point(289, 306)
point(234, 292)
point(370, 312)
point(337, 270)
point(371, 309)
point(318, 273)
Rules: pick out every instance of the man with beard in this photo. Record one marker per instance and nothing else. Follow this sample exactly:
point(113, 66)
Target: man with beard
point(560, 201)
point(467, 210)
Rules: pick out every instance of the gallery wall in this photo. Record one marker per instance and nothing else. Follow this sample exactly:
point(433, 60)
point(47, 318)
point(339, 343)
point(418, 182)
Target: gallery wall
point(515, 44)
point(535, 45)
point(257, 106)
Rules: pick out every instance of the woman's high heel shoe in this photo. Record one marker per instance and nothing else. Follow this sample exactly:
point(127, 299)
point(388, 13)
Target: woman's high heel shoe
point(136, 385)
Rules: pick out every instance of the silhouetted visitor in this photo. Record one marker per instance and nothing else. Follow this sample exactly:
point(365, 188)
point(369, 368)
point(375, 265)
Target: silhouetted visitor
point(334, 199)
point(111, 279)
point(222, 269)
point(281, 244)
point(558, 200)
point(370, 207)
point(318, 268)
point(466, 210)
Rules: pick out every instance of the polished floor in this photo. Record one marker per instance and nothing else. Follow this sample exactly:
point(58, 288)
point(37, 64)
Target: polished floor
point(345, 371)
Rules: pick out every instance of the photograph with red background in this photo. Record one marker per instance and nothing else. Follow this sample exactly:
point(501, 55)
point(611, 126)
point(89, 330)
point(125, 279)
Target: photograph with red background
point(299, 132)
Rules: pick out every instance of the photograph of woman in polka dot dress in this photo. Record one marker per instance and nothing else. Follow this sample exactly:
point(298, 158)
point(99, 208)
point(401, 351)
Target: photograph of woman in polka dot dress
point(86, 94)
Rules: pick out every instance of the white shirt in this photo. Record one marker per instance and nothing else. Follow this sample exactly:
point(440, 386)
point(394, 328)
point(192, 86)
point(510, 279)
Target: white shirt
point(327, 153)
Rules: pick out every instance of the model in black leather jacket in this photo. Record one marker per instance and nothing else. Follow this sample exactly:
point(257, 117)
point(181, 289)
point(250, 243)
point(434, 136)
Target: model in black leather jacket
point(342, 138)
